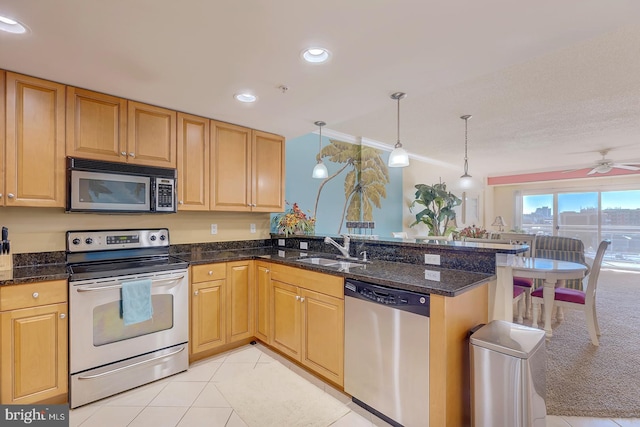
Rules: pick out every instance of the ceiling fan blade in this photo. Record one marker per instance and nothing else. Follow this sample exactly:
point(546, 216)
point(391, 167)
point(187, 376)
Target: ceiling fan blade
point(592, 171)
point(627, 167)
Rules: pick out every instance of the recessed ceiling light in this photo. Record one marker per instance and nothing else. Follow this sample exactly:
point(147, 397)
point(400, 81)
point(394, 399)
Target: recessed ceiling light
point(245, 97)
point(11, 26)
point(315, 55)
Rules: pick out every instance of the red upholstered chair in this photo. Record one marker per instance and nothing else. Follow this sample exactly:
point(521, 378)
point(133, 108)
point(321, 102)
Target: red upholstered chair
point(577, 299)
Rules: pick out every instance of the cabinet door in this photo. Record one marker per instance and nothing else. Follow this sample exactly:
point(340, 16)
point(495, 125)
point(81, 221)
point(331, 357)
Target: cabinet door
point(35, 147)
point(34, 354)
point(268, 172)
point(207, 315)
point(286, 318)
point(323, 334)
point(151, 136)
point(193, 163)
point(240, 297)
point(262, 285)
point(230, 167)
point(96, 125)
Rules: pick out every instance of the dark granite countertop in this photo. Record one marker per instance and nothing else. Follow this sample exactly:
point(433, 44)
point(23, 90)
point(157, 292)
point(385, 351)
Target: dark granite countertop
point(383, 269)
point(398, 275)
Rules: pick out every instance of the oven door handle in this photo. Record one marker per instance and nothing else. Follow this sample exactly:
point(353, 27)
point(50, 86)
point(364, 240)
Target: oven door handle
point(118, 285)
point(90, 377)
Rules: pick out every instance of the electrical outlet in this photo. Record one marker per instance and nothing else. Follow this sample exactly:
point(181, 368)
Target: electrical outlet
point(432, 259)
point(432, 275)
point(214, 228)
point(252, 228)
point(280, 242)
point(281, 254)
point(303, 254)
point(304, 245)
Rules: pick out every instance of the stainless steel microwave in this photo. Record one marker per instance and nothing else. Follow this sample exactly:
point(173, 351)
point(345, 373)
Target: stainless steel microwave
point(97, 186)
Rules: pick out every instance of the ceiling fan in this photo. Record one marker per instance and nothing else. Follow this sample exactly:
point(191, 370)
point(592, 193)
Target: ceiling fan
point(606, 165)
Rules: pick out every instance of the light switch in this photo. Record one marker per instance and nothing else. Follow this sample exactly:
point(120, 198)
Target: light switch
point(304, 245)
point(432, 259)
point(280, 242)
point(214, 228)
point(252, 228)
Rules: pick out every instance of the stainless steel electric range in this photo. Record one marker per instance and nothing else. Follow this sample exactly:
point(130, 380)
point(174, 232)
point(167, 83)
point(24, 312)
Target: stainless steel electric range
point(108, 356)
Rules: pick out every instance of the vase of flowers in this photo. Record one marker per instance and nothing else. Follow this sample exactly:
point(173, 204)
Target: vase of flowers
point(294, 221)
point(473, 232)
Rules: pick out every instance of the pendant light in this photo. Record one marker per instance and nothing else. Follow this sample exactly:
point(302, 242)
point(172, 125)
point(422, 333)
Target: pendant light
point(398, 158)
point(466, 181)
point(320, 170)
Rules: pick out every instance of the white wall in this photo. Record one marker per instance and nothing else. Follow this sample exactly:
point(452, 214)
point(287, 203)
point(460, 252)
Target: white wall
point(419, 172)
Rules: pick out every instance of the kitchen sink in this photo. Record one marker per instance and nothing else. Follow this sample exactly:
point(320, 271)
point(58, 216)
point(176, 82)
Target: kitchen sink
point(328, 262)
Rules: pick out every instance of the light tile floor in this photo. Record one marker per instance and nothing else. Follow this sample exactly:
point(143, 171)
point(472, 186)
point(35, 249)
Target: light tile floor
point(191, 399)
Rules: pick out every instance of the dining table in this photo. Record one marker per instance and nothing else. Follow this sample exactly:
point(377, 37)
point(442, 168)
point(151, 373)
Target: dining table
point(552, 271)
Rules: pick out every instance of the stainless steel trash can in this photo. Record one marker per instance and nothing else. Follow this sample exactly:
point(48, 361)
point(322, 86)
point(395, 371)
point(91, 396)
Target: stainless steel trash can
point(508, 376)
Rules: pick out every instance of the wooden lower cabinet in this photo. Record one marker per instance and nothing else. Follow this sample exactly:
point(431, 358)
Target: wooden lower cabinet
point(262, 285)
point(308, 319)
point(222, 305)
point(33, 338)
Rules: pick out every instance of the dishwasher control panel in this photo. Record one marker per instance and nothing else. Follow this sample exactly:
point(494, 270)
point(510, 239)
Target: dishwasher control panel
point(394, 298)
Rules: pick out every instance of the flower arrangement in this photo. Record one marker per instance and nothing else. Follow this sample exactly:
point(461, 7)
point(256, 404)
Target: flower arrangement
point(294, 221)
point(473, 231)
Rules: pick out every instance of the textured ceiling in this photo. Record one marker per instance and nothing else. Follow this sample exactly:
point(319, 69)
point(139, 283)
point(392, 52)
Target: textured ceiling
point(548, 83)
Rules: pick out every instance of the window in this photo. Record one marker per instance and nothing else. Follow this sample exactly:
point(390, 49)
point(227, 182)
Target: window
point(590, 216)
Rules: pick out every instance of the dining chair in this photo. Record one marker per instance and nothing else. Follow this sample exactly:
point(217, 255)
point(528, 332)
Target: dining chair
point(562, 249)
point(520, 303)
point(577, 299)
point(523, 282)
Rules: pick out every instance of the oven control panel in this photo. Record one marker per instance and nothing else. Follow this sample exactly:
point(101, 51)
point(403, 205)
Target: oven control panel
point(104, 240)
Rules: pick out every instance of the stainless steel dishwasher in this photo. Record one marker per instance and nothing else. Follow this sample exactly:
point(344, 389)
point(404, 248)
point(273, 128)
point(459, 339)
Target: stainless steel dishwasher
point(386, 361)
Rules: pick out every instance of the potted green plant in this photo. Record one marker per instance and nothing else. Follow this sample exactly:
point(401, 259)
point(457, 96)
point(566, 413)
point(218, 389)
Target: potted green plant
point(438, 208)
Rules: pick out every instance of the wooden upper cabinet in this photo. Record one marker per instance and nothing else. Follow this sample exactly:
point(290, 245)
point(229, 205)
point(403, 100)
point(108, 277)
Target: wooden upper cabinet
point(193, 163)
point(268, 172)
point(230, 167)
point(96, 125)
point(35, 142)
point(247, 169)
point(151, 135)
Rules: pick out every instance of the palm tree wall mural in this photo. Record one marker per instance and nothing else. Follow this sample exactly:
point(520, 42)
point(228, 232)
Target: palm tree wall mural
point(359, 187)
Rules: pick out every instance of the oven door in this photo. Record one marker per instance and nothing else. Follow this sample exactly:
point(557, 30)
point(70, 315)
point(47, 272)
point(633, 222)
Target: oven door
point(98, 335)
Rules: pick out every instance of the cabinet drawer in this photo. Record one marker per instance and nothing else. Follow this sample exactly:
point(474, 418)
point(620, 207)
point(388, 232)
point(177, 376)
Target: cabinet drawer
point(314, 281)
point(32, 294)
point(204, 273)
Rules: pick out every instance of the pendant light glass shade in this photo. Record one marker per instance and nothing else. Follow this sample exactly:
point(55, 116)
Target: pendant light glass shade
point(466, 180)
point(320, 170)
point(398, 158)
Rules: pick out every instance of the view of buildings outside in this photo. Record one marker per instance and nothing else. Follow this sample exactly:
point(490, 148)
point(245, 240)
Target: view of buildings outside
point(590, 217)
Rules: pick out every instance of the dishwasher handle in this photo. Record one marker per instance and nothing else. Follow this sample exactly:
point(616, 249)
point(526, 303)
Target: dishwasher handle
point(393, 298)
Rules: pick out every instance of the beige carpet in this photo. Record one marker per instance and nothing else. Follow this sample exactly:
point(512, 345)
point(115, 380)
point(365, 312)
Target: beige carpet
point(604, 381)
point(273, 396)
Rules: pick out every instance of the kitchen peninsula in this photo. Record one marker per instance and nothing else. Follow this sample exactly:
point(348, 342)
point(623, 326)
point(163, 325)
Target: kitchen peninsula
point(459, 296)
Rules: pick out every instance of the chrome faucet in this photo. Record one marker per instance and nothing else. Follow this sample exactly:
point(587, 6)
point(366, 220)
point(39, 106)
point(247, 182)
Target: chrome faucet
point(344, 250)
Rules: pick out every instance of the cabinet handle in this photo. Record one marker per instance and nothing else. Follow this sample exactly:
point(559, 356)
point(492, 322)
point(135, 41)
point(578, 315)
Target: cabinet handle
point(35, 295)
point(297, 297)
point(267, 270)
point(181, 202)
point(0, 195)
point(301, 299)
point(210, 273)
point(132, 155)
point(195, 293)
point(62, 315)
point(10, 195)
point(123, 153)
